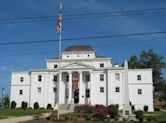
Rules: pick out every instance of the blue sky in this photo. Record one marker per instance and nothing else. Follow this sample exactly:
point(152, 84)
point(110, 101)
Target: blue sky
point(16, 58)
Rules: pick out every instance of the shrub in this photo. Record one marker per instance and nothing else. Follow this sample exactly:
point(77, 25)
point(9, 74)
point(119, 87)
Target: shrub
point(84, 109)
point(145, 108)
point(24, 105)
point(49, 106)
point(133, 108)
point(36, 105)
point(48, 118)
point(113, 111)
point(99, 106)
point(87, 117)
point(100, 112)
point(156, 108)
point(139, 115)
point(13, 105)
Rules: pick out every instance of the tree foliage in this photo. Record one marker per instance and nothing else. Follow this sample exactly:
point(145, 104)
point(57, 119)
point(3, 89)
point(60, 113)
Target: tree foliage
point(150, 59)
point(6, 101)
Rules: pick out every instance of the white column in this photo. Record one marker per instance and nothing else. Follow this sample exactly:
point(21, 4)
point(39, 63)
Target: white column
point(80, 87)
point(91, 87)
point(70, 88)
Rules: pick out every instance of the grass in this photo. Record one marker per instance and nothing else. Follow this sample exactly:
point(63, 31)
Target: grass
point(158, 116)
point(20, 112)
point(40, 121)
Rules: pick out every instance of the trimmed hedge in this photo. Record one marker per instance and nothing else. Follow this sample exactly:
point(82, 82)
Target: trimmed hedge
point(24, 105)
point(145, 108)
point(13, 105)
point(49, 106)
point(36, 105)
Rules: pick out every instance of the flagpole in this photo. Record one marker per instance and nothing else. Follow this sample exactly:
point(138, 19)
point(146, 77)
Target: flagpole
point(60, 49)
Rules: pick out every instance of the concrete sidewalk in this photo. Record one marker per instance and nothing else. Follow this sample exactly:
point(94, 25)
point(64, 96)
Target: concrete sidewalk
point(22, 118)
point(28, 117)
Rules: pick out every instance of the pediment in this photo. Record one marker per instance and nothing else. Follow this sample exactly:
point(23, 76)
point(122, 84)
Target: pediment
point(77, 66)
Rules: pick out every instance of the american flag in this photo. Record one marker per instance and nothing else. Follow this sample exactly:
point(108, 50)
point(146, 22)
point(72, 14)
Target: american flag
point(59, 22)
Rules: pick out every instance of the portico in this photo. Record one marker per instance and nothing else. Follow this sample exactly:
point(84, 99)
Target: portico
point(73, 81)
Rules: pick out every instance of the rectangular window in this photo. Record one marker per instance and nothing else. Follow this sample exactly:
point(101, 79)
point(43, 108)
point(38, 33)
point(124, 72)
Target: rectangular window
point(21, 79)
point(55, 66)
point(117, 89)
point(39, 89)
point(138, 77)
point(39, 78)
point(117, 76)
point(101, 77)
point(101, 89)
point(87, 78)
point(101, 65)
point(55, 78)
point(87, 93)
point(21, 92)
point(54, 90)
point(139, 91)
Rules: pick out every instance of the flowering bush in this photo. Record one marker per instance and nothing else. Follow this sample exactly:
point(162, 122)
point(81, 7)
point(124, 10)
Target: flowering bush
point(100, 112)
point(99, 106)
point(113, 110)
point(84, 109)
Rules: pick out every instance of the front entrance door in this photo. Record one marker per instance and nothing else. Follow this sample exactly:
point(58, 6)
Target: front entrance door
point(76, 96)
point(75, 90)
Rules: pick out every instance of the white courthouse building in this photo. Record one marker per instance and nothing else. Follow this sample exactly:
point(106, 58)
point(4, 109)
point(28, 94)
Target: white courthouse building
point(81, 73)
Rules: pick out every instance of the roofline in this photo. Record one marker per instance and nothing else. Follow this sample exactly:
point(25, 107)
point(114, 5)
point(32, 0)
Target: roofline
point(87, 59)
point(77, 51)
point(141, 69)
point(57, 70)
point(20, 72)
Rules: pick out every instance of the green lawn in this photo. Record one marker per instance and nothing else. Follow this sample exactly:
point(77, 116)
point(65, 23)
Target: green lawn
point(159, 116)
point(20, 112)
point(40, 121)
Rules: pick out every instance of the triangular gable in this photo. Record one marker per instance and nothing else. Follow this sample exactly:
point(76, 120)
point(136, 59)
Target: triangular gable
point(77, 65)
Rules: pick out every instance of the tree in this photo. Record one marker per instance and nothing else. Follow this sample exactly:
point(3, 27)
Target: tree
point(150, 59)
point(6, 101)
point(134, 62)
